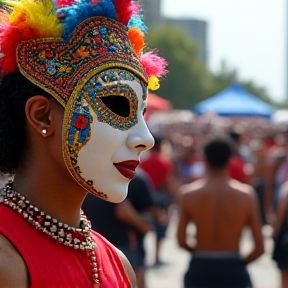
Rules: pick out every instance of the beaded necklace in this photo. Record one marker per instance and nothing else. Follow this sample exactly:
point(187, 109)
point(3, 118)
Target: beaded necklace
point(75, 238)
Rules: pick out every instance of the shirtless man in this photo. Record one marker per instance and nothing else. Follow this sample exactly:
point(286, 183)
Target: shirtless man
point(220, 208)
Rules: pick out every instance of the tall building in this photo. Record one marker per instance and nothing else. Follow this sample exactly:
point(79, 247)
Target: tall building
point(152, 13)
point(196, 30)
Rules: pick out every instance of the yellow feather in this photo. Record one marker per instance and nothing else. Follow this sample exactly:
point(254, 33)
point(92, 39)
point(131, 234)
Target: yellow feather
point(39, 16)
point(153, 83)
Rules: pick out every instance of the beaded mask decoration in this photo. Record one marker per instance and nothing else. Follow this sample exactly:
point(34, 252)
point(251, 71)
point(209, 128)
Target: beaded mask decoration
point(74, 50)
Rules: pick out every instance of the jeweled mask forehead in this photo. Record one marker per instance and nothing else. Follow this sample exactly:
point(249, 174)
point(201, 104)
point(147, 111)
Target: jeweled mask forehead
point(58, 67)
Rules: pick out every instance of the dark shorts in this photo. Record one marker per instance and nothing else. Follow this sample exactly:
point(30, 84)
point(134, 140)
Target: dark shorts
point(280, 251)
point(217, 271)
point(162, 201)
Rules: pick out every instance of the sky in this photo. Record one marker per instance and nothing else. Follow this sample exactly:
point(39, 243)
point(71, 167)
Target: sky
point(250, 35)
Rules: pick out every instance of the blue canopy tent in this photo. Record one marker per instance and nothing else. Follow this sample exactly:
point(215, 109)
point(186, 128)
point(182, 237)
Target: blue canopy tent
point(234, 101)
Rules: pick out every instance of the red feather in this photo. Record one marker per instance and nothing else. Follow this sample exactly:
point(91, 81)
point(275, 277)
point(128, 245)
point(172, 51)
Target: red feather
point(124, 10)
point(64, 3)
point(10, 38)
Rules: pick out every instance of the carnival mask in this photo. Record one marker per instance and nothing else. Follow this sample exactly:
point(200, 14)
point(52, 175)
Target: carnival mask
point(106, 132)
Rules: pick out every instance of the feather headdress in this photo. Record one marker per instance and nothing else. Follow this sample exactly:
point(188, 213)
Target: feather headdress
point(22, 20)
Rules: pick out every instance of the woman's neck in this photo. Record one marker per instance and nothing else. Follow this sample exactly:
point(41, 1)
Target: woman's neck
point(52, 190)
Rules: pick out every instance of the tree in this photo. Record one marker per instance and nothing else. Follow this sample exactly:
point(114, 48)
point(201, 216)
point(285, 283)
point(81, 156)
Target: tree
point(228, 76)
point(188, 81)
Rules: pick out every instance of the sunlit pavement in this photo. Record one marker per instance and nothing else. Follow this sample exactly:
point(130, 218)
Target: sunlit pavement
point(263, 272)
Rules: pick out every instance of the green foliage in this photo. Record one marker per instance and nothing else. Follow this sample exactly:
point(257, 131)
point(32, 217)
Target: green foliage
point(227, 77)
point(188, 81)
point(281, 105)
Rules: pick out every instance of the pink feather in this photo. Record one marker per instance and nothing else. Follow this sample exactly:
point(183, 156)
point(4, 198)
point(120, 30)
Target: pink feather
point(153, 64)
point(135, 9)
point(124, 10)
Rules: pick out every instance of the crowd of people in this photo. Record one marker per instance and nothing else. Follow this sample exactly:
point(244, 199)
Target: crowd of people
point(223, 179)
point(258, 159)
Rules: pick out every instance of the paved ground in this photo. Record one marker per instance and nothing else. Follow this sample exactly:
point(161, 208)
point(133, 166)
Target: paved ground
point(263, 271)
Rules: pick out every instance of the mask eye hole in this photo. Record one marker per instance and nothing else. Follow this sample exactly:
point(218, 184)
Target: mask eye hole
point(119, 105)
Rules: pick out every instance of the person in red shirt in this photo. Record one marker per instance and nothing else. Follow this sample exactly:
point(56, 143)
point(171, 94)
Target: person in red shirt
point(238, 168)
point(157, 167)
point(160, 171)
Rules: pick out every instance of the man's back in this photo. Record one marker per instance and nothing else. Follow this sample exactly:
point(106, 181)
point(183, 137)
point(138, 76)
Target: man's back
point(220, 211)
point(220, 207)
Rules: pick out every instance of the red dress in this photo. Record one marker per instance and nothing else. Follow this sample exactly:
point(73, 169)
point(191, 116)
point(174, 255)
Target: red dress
point(52, 265)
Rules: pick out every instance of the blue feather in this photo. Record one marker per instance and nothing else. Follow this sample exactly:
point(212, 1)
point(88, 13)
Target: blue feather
point(76, 14)
point(136, 21)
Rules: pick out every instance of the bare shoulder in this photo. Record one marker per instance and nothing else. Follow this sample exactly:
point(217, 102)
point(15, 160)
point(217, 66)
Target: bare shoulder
point(13, 271)
point(128, 268)
point(191, 189)
point(244, 191)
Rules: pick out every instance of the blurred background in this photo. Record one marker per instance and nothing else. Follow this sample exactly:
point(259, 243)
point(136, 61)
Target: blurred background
point(210, 44)
point(228, 70)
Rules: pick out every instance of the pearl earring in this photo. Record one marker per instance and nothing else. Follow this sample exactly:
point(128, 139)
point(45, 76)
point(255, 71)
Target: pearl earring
point(44, 131)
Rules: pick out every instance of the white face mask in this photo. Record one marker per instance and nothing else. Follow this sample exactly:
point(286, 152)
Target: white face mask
point(106, 132)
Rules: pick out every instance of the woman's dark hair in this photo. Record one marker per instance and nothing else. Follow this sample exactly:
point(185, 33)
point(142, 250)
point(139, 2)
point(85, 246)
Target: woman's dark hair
point(218, 152)
point(15, 90)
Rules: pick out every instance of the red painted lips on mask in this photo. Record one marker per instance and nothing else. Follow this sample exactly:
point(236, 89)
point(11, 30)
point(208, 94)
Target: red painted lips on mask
point(127, 168)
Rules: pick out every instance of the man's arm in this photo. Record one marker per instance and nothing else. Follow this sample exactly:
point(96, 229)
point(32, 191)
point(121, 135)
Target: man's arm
point(282, 209)
point(13, 271)
point(127, 213)
point(269, 177)
point(255, 225)
point(182, 225)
